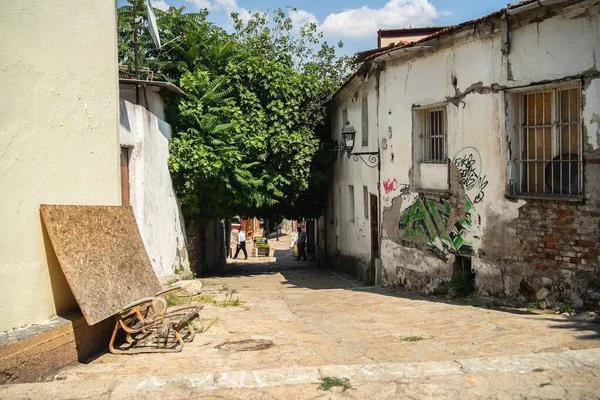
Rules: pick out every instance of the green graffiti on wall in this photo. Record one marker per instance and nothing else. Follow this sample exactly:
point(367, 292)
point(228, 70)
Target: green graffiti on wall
point(426, 222)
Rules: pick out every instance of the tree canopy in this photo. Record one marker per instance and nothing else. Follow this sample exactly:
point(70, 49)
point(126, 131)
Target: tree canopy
point(250, 136)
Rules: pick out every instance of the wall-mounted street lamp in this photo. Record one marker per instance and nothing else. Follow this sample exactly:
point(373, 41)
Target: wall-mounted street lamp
point(371, 158)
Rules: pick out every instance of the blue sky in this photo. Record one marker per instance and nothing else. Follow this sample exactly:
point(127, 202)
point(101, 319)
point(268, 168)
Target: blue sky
point(355, 22)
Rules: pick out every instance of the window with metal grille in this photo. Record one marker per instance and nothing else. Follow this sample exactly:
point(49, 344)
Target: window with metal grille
point(548, 160)
point(434, 137)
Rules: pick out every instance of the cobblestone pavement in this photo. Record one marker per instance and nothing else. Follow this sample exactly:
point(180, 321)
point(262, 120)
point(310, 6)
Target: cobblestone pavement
point(388, 343)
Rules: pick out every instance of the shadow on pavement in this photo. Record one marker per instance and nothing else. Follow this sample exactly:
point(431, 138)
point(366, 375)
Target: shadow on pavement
point(306, 274)
point(591, 328)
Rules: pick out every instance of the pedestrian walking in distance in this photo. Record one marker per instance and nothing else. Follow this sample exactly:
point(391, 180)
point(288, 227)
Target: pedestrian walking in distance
point(301, 244)
point(241, 245)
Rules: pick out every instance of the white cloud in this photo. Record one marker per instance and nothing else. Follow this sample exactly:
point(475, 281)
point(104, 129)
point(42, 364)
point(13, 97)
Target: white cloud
point(222, 6)
point(356, 23)
point(229, 6)
point(161, 5)
point(201, 3)
point(301, 17)
point(365, 21)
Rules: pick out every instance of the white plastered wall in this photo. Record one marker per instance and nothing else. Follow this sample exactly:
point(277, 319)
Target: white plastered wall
point(553, 49)
point(353, 237)
point(59, 139)
point(152, 196)
point(156, 104)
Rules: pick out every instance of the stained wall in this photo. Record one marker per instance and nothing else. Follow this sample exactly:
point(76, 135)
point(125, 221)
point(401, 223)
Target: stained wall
point(152, 196)
point(545, 249)
point(348, 219)
point(59, 139)
point(462, 212)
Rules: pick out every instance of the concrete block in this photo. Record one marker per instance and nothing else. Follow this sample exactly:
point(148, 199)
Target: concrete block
point(31, 353)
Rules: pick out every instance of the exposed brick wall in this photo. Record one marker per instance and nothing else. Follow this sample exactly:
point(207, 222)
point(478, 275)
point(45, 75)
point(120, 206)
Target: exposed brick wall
point(557, 234)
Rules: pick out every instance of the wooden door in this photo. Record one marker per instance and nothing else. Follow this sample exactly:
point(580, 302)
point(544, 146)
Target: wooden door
point(125, 176)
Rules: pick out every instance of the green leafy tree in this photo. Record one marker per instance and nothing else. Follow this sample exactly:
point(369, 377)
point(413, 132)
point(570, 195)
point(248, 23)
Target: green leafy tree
point(208, 169)
point(282, 77)
point(250, 136)
point(189, 41)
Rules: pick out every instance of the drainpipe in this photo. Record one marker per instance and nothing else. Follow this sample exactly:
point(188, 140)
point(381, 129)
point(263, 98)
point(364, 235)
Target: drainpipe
point(532, 6)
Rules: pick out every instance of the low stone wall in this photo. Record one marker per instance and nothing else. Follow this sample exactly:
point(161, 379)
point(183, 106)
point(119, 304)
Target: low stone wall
point(34, 352)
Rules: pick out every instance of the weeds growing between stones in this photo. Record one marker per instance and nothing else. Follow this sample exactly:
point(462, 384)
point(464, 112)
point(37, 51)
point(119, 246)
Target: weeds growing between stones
point(329, 382)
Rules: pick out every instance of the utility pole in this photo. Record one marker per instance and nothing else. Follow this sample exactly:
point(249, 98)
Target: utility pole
point(135, 51)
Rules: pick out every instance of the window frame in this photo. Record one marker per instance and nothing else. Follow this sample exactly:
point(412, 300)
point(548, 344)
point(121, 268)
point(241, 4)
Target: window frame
point(364, 118)
point(430, 153)
point(518, 135)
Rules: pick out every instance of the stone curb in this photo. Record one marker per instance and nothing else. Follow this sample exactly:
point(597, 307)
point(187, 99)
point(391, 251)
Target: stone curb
point(385, 372)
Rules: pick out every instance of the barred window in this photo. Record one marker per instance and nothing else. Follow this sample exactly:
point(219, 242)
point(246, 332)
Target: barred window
point(548, 158)
point(434, 134)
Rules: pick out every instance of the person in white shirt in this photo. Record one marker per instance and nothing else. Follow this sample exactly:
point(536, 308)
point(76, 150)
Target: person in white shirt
point(241, 245)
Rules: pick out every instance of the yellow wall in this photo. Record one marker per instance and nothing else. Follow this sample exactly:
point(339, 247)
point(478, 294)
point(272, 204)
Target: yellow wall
point(58, 139)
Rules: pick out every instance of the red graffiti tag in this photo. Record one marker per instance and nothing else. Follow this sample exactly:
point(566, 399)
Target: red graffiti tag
point(390, 186)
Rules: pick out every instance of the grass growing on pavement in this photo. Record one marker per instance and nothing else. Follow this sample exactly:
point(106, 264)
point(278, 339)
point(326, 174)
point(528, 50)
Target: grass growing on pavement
point(328, 382)
point(412, 338)
point(533, 306)
point(174, 300)
point(539, 370)
point(228, 302)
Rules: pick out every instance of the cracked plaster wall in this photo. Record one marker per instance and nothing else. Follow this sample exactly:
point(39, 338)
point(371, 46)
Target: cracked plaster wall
point(349, 241)
point(59, 139)
point(472, 75)
point(153, 199)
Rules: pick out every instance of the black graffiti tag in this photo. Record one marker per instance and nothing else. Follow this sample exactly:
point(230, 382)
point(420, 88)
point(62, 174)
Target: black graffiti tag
point(467, 160)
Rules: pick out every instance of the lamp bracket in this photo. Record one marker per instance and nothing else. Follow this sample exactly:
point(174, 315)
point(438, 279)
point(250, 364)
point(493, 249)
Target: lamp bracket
point(369, 158)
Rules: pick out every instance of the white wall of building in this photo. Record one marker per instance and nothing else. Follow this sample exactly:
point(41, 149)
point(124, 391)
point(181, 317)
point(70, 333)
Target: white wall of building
point(156, 104)
point(152, 196)
point(554, 49)
point(352, 238)
point(59, 139)
point(469, 75)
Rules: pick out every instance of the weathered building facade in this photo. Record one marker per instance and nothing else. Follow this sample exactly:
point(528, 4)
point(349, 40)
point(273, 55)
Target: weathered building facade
point(59, 134)
point(489, 140)
point(348, 222)
point(146, 183)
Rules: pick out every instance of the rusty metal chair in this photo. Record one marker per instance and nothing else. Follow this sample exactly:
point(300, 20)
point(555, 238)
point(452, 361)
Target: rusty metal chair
point(150, 326)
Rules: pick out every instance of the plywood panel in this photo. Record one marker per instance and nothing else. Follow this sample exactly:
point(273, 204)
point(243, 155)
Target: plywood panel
point(102, 255)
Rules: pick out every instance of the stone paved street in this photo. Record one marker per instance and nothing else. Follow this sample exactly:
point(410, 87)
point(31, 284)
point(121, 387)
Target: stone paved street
point(388, 343)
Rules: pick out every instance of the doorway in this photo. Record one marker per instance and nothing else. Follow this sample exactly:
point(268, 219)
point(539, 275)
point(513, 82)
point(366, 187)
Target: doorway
point(125, 198)
point(374, 235)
